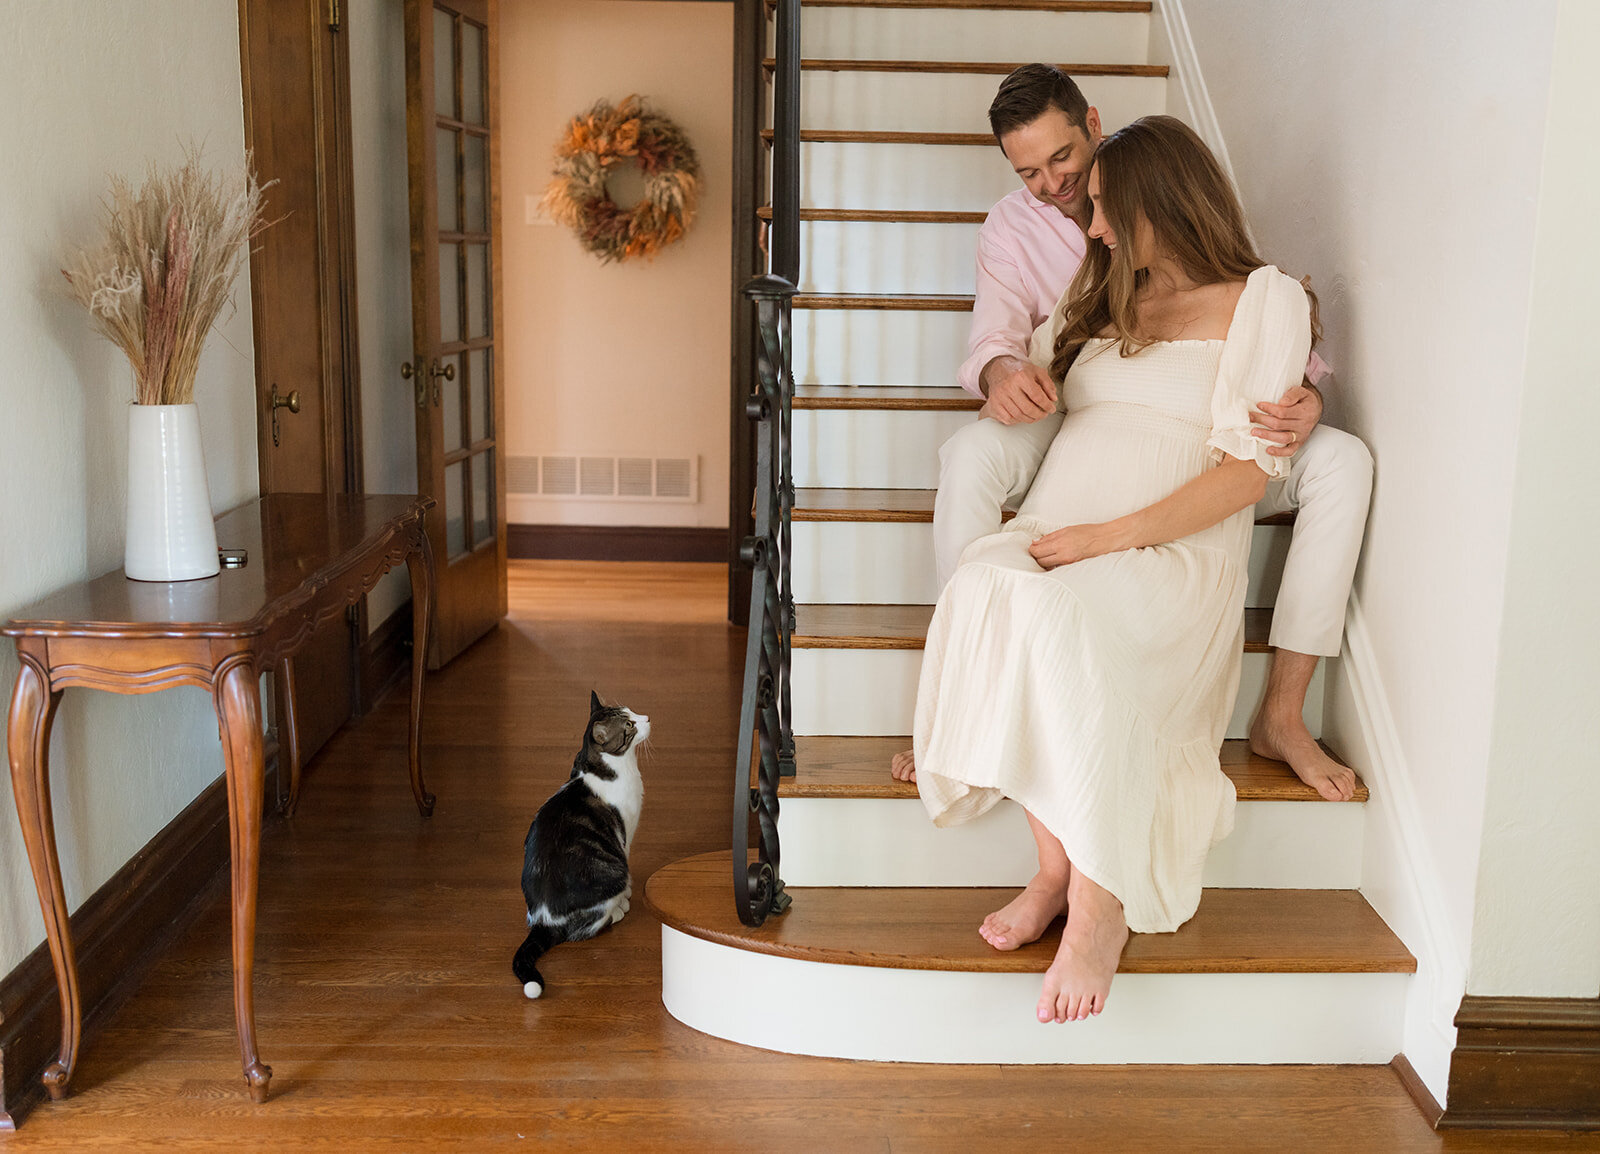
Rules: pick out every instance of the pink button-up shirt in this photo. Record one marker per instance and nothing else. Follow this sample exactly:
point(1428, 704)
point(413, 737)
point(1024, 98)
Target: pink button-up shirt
point(1028, 252)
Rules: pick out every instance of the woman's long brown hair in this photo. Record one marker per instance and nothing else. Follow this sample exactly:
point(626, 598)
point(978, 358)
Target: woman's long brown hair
point(1158, 169)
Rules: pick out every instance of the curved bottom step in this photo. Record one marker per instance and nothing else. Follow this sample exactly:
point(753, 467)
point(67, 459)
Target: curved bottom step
point(1255, 977)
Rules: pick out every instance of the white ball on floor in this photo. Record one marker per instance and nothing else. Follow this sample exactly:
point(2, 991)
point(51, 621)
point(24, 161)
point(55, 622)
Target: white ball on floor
point(532, 989)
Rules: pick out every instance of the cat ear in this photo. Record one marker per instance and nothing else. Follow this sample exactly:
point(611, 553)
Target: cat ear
point(602, 733)
point(594, 702)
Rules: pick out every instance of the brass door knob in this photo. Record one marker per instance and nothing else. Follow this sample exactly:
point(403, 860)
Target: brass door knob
point(291, 402)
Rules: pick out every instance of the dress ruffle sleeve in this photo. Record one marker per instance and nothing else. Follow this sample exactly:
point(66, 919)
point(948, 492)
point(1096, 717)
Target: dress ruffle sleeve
point(1268, 344)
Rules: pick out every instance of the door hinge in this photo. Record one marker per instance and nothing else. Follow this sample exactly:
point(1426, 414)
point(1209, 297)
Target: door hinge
point(333, 15)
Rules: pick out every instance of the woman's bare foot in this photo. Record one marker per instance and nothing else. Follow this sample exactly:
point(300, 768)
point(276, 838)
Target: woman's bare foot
point(1078, 982)
point(1282, 735)
point(903, 766)
point(1025, 918)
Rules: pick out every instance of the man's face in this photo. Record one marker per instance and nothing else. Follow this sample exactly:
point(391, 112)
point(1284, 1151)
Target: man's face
point(1052, 156)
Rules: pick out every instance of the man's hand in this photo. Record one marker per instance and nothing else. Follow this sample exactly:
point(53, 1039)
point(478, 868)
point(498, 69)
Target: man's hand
point(1019, 391)
point(1074, 543)
point(1286, 425)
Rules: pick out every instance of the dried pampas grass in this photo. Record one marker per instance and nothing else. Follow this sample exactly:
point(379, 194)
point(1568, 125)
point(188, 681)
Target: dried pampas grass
point(160, 276)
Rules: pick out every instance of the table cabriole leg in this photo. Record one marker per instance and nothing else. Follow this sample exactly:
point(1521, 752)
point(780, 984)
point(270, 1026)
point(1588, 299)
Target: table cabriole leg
point(237, 693)
point(420, 564)
point(33, 711)
point(289, 732)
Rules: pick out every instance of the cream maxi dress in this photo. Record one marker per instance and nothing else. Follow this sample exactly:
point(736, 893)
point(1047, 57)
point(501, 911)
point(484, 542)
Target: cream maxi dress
point(1097, 694)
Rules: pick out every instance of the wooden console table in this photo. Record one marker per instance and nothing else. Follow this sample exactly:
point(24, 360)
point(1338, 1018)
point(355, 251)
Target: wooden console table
point(310, 557)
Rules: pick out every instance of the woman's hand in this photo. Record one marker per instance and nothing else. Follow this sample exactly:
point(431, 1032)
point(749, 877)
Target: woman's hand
point(1074, 543)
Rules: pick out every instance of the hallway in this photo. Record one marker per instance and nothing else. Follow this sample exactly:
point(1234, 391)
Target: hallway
point(388, 1011)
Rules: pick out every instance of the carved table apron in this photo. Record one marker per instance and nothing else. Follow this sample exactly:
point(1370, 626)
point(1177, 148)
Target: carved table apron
point(310, 557)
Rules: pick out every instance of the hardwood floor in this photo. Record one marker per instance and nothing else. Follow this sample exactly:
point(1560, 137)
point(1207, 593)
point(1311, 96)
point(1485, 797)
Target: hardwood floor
point(386, 1005)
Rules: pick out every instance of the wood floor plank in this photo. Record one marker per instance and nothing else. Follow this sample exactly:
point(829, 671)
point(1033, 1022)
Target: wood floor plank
point(387, 1007)
point(1235, 931)
point(858, 767)
point(906, 627)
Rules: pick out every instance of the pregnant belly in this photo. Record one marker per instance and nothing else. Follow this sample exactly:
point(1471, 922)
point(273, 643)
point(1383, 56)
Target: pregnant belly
point(1107, 465)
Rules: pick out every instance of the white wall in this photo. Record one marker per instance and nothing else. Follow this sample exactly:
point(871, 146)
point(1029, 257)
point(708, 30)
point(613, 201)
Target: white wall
point(1393, 152)
point(90, 88)
point(1537, 931)
point(621, 359)
point(375, 30)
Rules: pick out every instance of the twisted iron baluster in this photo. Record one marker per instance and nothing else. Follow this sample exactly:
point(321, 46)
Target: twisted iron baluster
point(764, 707)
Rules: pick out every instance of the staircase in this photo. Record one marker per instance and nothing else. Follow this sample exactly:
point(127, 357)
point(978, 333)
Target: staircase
point(878, 957)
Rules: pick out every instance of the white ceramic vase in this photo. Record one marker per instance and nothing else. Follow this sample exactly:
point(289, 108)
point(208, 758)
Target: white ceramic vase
point(171, 536)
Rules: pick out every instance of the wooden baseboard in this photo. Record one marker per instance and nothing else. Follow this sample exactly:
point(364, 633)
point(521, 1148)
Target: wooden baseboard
point(1525, 1063)
point(616, 543)
point(385, 660)
point(1417, 1089)
point(117, 933)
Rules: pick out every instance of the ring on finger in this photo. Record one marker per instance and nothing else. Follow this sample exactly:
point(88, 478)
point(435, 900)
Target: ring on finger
point(1293, 436)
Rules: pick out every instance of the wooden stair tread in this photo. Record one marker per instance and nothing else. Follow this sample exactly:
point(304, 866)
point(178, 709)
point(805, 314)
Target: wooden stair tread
point(896, 505)
point(859, 136)
point(911, 398)
point(883, 215)
point(1133, 6)
point(906, 627)
point(914, 302)
point(858, 767)
point(1235, 930)
point(967, 67)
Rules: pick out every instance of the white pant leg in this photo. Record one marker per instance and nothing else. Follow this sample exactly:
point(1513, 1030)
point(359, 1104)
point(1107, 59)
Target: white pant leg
point(982, 469)
point(1330, 483)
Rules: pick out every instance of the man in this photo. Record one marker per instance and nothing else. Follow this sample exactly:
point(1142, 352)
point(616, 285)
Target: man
point(1028, 250)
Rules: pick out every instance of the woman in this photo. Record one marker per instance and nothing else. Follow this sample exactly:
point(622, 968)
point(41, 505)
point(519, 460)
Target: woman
point(1085, 660)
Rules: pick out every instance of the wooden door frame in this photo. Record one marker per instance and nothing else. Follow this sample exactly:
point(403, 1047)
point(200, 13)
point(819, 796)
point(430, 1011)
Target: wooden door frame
point(334, 258)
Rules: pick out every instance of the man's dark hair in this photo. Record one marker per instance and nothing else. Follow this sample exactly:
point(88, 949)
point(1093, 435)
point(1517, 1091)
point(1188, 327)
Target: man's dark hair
point(1029, 92)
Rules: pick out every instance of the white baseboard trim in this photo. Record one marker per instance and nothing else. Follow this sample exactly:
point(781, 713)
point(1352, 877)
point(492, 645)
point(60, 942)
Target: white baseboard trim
point(1170, 44)
point(1399, 877)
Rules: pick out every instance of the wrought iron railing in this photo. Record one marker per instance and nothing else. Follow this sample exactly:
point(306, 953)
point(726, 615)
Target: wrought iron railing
point(766, 734)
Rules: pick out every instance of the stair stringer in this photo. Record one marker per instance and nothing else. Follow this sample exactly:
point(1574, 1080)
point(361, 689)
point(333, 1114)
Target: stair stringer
point(1398, 874)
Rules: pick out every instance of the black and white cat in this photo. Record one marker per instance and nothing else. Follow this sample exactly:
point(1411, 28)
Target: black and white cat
point(575, 858)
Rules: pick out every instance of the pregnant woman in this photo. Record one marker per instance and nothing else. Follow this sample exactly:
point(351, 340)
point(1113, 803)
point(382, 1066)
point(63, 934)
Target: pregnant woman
point(1084, 661)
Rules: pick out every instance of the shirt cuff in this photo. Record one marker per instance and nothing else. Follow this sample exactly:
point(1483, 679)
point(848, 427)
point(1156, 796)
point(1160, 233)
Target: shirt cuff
point(990, 348)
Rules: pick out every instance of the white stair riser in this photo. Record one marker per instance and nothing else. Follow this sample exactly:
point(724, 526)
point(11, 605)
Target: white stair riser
point(910, 34)
point(891, 842)
point(878, 346)
point(945, 177)
point(889, 257)
point(871, 449)
point(891, 563)
point(873, 692)
point(950, 102)
point(893, 1015)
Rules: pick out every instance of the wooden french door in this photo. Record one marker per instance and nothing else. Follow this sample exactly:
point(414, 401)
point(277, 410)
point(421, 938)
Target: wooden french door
point(452, 146)
point(302, 290)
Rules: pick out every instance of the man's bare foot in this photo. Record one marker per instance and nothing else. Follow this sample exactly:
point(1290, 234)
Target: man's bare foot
point(1282, 735)
point(1025, 917)
point(1078, 982)
point(903, 766)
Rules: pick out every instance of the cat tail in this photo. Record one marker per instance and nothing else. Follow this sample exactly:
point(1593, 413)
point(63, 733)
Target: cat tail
point(525, 965)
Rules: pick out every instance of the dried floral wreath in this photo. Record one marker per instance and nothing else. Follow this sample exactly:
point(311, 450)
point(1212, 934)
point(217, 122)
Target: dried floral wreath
point(592, 145)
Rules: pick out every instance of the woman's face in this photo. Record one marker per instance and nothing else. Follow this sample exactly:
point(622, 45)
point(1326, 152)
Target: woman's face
point(1100, 226)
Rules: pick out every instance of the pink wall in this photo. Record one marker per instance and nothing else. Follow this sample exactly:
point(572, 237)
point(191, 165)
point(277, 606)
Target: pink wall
point(630, 359)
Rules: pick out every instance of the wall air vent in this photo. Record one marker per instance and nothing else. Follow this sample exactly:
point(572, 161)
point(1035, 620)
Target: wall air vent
point(674, 479)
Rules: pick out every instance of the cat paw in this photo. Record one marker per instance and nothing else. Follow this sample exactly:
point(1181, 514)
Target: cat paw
point(532, 989)
point(619, 910)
